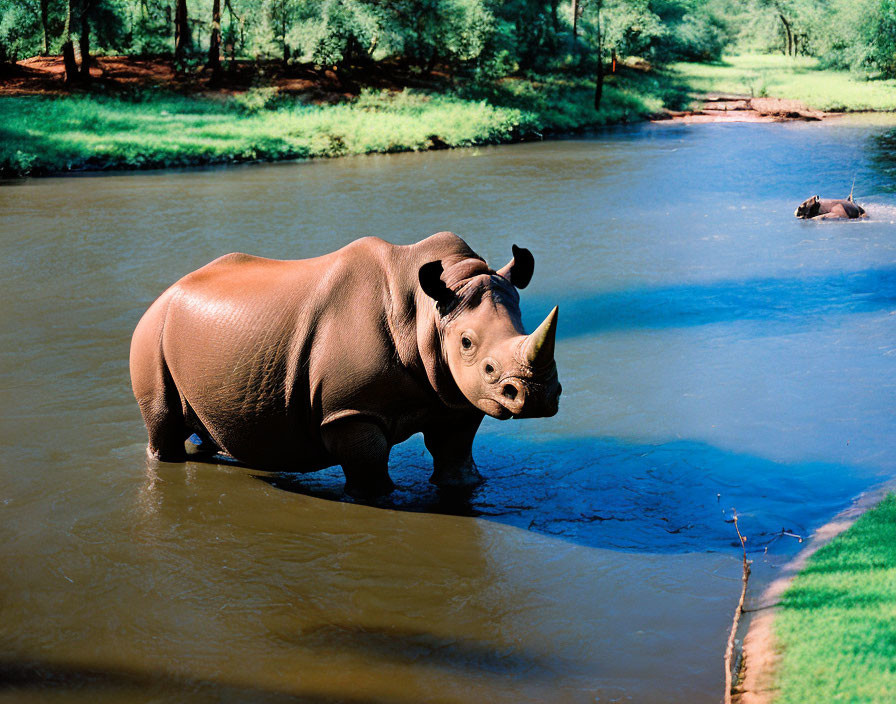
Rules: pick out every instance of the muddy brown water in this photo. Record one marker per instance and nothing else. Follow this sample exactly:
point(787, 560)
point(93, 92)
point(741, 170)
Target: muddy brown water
point(715, 354)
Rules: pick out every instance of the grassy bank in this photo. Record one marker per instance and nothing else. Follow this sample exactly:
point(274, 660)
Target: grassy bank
point(799, 78)
point(151, 129)
point(837, 623)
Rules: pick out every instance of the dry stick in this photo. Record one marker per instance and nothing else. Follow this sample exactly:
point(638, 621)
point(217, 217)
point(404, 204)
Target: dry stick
point(729, 651)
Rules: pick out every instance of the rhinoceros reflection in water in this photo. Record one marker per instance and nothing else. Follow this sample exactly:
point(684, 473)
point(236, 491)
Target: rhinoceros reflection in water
point(816, 208)
point(300, 365)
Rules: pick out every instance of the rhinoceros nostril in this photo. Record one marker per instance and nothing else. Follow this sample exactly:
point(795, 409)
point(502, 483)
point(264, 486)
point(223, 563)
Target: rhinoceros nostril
point(509, 391)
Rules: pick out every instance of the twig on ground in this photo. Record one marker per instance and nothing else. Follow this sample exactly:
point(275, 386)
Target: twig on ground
point(729, 651)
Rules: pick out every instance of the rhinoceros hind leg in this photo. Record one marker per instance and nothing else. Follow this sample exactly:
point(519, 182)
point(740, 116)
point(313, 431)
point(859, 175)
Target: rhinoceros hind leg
point(166, 441)
point(163, 414)
point(360, 446)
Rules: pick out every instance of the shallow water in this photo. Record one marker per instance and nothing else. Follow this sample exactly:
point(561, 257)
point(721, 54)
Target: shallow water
point(715, 354)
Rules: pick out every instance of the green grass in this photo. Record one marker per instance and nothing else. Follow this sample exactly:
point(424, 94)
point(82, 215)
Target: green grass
point(779, 76)
point(155, 129)
point(837, 623)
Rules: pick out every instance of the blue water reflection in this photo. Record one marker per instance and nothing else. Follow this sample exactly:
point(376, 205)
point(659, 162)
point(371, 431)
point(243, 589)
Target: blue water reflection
point(607, 493)
point(792, 302)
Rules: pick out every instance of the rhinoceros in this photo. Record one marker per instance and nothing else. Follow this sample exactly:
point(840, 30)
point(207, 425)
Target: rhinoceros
point(824, 209)
point(304, 364)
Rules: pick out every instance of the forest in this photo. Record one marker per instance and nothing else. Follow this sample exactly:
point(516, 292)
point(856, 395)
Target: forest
point(478, 39)
point(224, 81)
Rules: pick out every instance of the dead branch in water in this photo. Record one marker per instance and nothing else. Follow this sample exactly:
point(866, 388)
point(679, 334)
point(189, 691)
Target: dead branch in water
point(729, 651)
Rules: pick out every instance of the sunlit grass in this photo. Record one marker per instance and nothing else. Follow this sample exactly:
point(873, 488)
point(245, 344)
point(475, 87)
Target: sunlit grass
point(151, 130)
point(778, 76)
point(837, 623)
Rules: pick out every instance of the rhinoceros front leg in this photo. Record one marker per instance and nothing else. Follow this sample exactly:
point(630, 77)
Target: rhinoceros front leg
point(362, 449)
point(450, 442)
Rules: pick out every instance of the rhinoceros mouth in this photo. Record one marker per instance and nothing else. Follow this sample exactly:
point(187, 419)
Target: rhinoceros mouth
point(495, 409)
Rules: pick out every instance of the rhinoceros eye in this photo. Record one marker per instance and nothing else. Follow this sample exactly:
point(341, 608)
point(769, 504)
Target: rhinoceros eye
point(466, 342)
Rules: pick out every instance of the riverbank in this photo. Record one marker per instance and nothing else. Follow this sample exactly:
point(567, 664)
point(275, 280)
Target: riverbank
point(142, 124)
point(844, 580)
point(140, 115)
point(793, 78)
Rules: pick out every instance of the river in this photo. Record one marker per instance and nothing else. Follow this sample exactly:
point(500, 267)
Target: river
point(716, 355)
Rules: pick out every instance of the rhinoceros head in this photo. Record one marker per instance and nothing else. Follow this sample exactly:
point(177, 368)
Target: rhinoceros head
point(808, 208)
point(498, 367)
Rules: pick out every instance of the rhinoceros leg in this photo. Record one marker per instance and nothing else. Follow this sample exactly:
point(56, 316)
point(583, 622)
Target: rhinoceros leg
point(163, 415)
point(450, 443)
point(360, 446)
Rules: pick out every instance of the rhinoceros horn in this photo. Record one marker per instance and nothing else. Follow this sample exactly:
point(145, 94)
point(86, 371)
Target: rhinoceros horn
point(539, 347)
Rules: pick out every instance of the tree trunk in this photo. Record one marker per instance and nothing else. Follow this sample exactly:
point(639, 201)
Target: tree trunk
point(84, 43)
point(214, 44)
point(232, 44)
point(68, 60)
point(789, 34)
point(181, 32)
point(68, 48)
point(599, 84)
point(283, 32)
point(555, 20)
point(45, 44)
point(576, 13)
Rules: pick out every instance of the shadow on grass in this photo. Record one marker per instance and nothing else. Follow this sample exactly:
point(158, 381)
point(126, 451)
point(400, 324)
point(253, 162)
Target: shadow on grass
point(816, 597)
point(559, 100)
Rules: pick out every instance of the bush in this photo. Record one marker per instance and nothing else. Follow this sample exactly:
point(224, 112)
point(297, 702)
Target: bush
point(15, 32)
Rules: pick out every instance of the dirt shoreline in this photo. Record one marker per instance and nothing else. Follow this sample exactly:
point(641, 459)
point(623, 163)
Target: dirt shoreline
point(729, 107)
point(759, 655)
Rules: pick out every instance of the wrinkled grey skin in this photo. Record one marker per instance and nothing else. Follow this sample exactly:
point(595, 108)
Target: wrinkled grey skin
point(817, 209)
point(300, 365)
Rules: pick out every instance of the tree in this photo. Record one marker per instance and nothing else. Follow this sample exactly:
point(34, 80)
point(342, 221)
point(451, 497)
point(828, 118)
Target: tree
point(68, 47)
point(84, 41)
point(214, 44)
point(182, 38)
point(599, 81)
point(44, 16)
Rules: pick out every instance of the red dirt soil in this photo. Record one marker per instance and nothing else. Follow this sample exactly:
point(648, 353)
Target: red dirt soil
point(44, 75)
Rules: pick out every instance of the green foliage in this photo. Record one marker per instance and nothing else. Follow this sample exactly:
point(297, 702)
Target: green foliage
point(152, 34)
point(486, 38)
point(836, 628)
point(18, 30)
point(861, 37)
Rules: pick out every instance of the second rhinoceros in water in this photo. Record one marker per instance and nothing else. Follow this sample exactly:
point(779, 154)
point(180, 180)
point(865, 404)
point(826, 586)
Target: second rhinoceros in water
point(816, 208)
point(301, 365)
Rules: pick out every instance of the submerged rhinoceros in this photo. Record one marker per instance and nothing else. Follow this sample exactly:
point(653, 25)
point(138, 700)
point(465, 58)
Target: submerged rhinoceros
point(300, 365)
point(816, 208)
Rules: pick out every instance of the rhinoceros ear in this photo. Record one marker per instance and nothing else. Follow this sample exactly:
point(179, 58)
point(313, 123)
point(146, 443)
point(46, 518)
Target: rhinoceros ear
point(520, 269)
point(430, 276)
